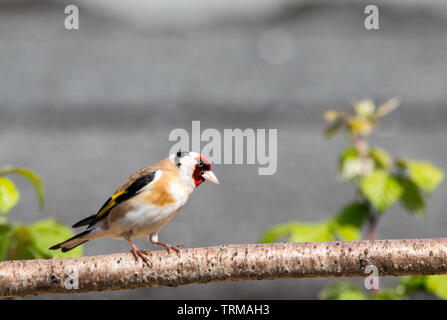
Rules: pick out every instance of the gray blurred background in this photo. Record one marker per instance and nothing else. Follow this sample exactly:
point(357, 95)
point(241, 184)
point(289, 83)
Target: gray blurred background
point(86, 108)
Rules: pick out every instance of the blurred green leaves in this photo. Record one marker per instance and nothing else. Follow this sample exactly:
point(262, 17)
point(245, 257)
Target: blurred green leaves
point(9, 195)
point(46, 233)
point(418, 179)
point(342, 291)
point(352, 165)
point(436, 285)
point(412, 198)
point(353, 215)
point(425, 175)
point(17, 241)
point(297, 232)
point(389, 294)
point(32, 177)
point(343, 226)
point(381, 189)
point(379, 182)
point(5, 234)
point(381, 158)
point(383, 182)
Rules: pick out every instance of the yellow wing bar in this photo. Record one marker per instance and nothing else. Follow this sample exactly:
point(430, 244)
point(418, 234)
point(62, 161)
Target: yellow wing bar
point(110, 203)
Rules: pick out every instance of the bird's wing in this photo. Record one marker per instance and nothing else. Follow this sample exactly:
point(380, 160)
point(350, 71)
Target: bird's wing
point(130, 188)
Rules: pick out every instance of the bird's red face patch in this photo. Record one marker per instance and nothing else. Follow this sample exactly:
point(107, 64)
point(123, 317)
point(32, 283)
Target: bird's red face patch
point(201, 166)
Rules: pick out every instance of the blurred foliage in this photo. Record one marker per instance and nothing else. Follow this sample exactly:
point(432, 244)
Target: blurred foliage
point(342, 291)
point(344, 225)
point(436, 285)
point(18, 241)
point(380, 182)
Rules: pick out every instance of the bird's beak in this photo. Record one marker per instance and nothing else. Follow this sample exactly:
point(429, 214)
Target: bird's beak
point(210, 177)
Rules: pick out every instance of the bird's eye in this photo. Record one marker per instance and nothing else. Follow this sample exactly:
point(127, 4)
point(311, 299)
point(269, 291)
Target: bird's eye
point(179, 154)
point(201, 163)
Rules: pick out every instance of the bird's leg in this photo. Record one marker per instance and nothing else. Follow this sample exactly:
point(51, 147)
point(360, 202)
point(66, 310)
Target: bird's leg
point(139, 252)
point(154, 240)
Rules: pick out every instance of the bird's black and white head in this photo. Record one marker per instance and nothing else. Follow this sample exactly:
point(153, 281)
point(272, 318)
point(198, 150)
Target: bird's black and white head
point(193, 168)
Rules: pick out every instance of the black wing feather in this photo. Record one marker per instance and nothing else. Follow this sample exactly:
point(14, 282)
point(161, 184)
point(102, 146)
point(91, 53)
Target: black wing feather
point(116, 199)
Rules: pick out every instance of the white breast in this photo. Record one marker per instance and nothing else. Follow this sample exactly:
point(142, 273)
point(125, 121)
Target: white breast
point(142, 220)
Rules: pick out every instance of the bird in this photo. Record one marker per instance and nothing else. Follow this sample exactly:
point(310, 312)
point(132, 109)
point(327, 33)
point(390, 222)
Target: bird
point(145, 203)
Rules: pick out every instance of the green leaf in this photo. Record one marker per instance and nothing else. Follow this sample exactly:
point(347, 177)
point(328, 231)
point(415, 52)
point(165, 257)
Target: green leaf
point(19, 244)
point(437, 285)
point(276, 232)
point(342, 291)
point(345, 225)
point(9, 195)
point(381, 189)
point(353, 214)
point(32, 177)
point(347, 233)
point(311, 232)
point(412, 198)
point(410, 284)
point(381, 158)
point(47, 233)
point(5, 235)
point(348, 221)
point(348, 153)
point(425, 175)
point(298, 232)
point(389, 294)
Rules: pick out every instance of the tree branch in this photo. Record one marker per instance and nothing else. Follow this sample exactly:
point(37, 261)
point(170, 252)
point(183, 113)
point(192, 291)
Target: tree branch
point(224, 263)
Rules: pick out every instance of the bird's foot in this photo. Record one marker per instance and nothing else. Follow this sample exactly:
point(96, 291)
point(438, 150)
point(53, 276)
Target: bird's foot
point(139, 252)
point(168, 247)
point(142, 254)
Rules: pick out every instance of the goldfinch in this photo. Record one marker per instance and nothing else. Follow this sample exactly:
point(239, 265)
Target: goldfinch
point(145, 203)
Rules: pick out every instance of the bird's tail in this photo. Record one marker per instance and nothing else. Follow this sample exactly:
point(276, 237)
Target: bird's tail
point(73, 242)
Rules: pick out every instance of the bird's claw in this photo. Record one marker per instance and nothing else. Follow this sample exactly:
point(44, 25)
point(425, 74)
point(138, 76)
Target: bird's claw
point(142, 254)
point(176, 248)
